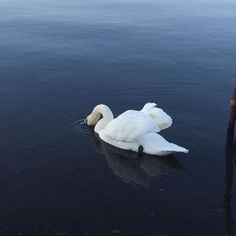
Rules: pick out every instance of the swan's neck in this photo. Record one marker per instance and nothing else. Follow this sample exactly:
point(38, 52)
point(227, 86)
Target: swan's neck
point(107, 116)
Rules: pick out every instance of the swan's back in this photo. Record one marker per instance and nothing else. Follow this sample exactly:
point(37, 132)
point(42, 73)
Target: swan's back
point(128, 126)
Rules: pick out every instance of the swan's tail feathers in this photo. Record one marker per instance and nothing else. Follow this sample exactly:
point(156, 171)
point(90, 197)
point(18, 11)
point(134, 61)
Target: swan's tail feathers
point(177, 148)
point(161, 118)
point(155, 144)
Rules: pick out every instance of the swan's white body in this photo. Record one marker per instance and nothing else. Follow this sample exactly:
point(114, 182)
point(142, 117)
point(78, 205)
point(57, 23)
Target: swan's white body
point(133, 129)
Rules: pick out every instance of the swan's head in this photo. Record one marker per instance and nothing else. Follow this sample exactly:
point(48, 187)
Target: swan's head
point(92, 119)
point(100, 111)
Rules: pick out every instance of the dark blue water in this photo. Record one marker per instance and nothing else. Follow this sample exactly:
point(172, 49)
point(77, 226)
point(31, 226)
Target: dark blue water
point(61, 58)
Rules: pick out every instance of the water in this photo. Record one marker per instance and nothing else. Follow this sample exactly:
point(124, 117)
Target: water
point(61, 58)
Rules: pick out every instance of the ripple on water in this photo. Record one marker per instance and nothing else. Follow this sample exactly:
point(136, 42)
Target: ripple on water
point(80, 127)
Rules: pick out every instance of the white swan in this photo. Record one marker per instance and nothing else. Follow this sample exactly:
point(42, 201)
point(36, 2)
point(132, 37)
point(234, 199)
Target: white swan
point(134, 130)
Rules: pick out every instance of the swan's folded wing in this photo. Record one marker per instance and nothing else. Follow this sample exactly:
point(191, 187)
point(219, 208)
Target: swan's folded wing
point(129, 126)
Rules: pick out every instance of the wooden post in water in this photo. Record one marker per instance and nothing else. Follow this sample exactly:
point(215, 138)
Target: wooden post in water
point(231, 120)
point(230, 155)
point(232, 113)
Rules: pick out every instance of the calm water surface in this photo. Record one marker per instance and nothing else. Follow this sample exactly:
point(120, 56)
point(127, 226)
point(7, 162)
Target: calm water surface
point(61, 58)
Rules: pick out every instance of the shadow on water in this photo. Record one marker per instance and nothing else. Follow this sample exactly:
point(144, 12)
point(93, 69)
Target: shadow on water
point(230, 161)
point(132, 168)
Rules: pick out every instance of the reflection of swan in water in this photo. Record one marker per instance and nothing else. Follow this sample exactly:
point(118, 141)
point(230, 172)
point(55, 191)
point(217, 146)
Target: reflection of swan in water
point(129, 167)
